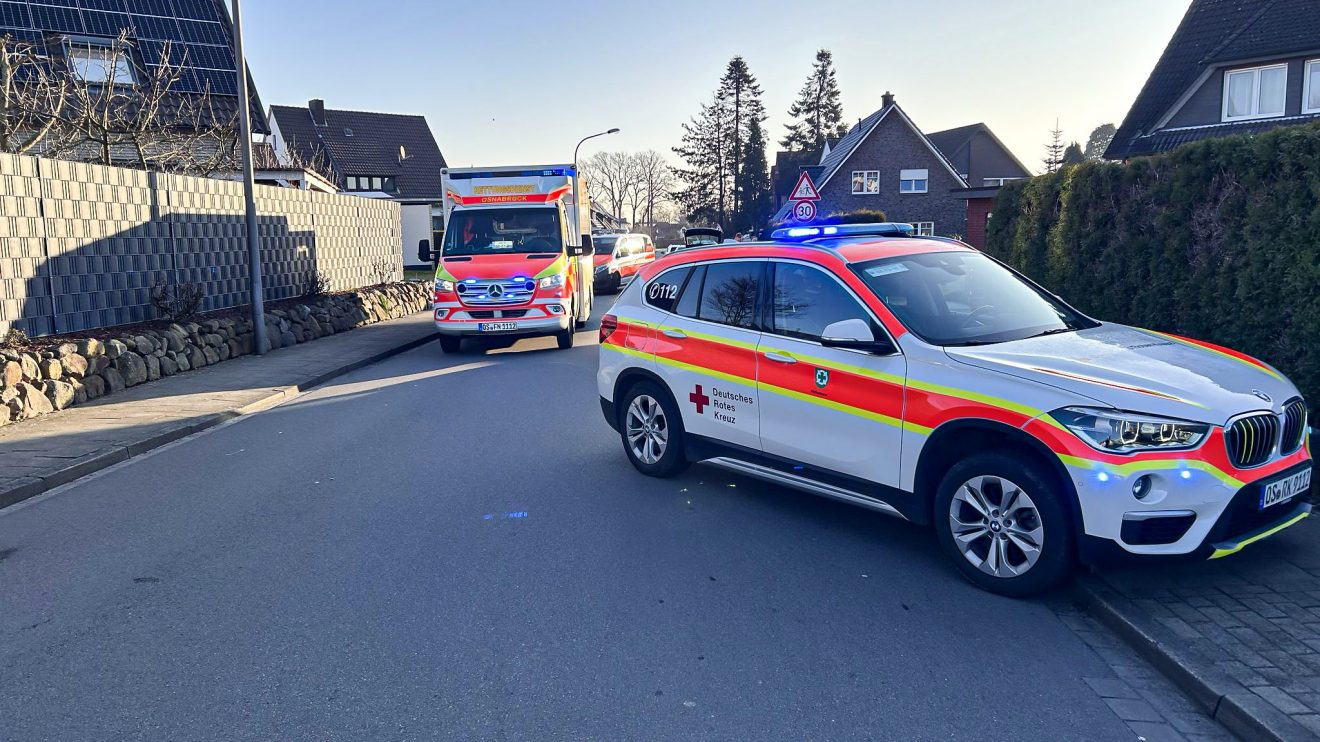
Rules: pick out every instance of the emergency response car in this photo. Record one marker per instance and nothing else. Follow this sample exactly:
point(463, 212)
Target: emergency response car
point(619, 257)
point(516, 257)
point(921, 378)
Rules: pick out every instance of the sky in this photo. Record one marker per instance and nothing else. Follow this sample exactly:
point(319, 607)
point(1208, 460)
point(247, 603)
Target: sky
point(520, 82)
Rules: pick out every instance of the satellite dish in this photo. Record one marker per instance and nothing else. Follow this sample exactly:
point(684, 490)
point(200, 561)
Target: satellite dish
point(403, 153)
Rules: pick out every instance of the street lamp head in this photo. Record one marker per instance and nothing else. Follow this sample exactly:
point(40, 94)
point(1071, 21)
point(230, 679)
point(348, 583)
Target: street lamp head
point(613, 131)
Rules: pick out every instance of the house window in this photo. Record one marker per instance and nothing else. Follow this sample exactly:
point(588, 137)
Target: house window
point(913, 181)
point(100, 63)
point(866, 182)
point(998, 181)
point(369, 183)
point(350, 183)
point(924, 229)
point(1256, 93)
point(1311, 101)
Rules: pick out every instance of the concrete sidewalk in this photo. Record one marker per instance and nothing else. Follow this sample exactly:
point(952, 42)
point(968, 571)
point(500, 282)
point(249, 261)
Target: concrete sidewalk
point(1240, 635)
point(46, 452)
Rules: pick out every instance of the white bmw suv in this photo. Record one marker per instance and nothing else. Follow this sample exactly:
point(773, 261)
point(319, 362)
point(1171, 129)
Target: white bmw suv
point(921, 378)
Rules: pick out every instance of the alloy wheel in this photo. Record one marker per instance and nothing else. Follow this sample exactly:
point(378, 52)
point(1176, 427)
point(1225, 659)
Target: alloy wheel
point(996, 526)
point(647, 429)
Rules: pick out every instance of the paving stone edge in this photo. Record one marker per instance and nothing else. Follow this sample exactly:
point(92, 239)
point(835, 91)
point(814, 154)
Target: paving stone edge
point(1221, 697)
point(106, 459)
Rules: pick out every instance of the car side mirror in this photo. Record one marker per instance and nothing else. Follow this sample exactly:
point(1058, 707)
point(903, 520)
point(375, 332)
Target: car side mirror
point(855, 334)
point(424, 251)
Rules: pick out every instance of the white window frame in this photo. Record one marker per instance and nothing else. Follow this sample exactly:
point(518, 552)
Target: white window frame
point(1255, 72)
point(920, 183)
point(1311, 72)
point(994, 182)
point(867, 176)
point(924, 229)
point(81, 56)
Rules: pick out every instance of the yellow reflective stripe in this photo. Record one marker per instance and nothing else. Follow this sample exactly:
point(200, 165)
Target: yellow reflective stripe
point(970, 396)
point(1239, 546)
point(442, 273)
point(831, 404)
point(1153, 465)
point(626, 351)
point(836, 366)
point(554, 268)
point(1258, 365)
point(721, 340)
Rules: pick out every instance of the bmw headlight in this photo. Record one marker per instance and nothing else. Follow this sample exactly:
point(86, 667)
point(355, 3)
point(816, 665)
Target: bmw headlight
point(444, 287)
point(1125, 432)
point(552, 282)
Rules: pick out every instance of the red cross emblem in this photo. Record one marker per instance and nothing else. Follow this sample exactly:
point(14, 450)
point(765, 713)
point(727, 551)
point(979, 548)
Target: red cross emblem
point(699, 399)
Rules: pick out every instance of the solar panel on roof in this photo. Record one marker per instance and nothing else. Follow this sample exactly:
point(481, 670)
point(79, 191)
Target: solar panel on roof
point(116, 5)
point(202, 32)
point(99, 23)
point(56, 18)
point(203, 10)
point(153, 7)
point(15, 15)
point(152, 27)
point(65, 3)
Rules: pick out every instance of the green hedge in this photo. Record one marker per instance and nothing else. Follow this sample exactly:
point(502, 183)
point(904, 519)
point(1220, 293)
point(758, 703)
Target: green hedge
point(1218, 240)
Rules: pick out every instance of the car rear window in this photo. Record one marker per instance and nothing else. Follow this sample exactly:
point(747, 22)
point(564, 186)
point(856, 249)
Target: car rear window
point(662, 291)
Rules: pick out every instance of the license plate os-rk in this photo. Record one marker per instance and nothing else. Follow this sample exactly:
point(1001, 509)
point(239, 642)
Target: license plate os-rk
point(1281, 490)
point(497, 326)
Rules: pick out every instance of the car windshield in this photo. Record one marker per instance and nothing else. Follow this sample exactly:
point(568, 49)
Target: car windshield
point(604, 245)
point(495, 231)
point(965, 298)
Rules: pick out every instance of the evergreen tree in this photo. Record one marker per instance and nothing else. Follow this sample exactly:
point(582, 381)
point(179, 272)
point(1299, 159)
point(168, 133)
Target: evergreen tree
point(741, 95)
point(1073, 155)
point(818, 112)
point(756, 191)
point(1054, 150)
point(1099, 141)
point(707, 180)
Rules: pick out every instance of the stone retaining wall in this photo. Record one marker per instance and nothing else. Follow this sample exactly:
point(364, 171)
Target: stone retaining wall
point(38, 381)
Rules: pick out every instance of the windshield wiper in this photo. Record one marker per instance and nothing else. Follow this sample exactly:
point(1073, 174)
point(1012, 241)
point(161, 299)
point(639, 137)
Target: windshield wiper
point(1054, 331)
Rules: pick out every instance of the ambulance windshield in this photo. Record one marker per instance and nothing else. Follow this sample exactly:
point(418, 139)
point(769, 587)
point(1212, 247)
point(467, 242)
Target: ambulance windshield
point(496, 231)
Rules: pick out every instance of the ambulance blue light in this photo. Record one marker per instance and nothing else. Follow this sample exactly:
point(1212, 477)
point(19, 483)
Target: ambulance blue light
point(1186, 474)
point(803, 232)
point(470, 280)
point(1103, 476)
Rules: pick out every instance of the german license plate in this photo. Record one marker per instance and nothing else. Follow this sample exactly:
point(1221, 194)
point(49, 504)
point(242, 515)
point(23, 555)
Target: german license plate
point(1282, 490)
point(496, 326)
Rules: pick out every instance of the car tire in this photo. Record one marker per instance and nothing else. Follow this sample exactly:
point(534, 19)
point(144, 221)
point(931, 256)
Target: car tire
point(450, 343)
point(993, 548)
point(659, 450)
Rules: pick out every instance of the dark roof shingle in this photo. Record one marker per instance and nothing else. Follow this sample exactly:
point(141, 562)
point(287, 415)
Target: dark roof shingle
point(1212, 33)
point(365, 143)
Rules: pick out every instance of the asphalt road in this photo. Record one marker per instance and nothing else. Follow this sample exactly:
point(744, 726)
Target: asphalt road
point(454, 547)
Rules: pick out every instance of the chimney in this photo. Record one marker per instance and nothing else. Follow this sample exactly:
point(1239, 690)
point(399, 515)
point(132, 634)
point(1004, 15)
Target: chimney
point(316, 107)
point(887, 99)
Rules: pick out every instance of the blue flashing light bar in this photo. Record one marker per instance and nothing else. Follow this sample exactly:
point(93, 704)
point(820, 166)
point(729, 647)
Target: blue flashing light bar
point(546, 173)
point(879, 229)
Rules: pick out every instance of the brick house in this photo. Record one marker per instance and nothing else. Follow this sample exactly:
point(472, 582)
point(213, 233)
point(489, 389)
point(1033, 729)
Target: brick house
point(887, 163)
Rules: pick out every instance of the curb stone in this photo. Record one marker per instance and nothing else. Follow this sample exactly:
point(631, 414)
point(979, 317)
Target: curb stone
point(1188, 667)
point(106, 459)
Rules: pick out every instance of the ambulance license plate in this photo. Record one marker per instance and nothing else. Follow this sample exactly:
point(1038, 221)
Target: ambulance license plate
point(496, 326)
point(1281, 490)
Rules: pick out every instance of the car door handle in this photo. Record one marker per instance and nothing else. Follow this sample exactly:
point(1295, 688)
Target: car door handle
point(675, 334)
point(779, 357)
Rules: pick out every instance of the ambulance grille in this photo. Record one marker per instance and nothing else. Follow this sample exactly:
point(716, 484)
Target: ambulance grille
point(1294, 427)
point(1251, 440)
point(496, 293)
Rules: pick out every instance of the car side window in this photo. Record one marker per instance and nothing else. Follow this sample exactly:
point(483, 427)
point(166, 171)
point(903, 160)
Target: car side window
point(728, 295)
point(807, 300)
point(634, 246)
point(662, 291)
point(687, 303)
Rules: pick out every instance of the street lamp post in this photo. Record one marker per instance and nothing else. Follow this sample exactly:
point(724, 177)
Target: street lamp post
point(579, 144)
point(245, 143)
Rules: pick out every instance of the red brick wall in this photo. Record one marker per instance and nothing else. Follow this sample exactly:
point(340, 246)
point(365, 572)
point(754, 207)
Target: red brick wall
point(978, 215)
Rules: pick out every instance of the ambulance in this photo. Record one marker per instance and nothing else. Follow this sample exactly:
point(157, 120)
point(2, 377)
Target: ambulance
point(919, 377)
point(517, 254)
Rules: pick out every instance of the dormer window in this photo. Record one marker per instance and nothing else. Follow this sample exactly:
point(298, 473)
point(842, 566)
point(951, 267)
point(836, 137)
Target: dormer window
point(369, 183)
point(1256, 93)
point(99, 64)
